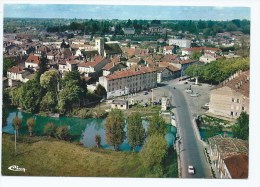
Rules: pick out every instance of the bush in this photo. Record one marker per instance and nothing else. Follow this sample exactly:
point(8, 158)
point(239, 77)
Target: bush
point(62, 132)
point(50, 129)
point(84, 113)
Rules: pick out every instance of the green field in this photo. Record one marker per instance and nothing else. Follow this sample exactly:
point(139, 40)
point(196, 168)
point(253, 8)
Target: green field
point(42, 156)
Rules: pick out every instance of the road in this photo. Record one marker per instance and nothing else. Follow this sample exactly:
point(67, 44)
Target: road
point(191, 149)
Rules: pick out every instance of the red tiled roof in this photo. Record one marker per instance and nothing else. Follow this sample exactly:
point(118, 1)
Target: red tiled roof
point(237, 166)
point(93, 63)
point(202, 48)
point(15, 69)
point(187, 61)
point(130, 72)
point(33, 59)
point(239, 84)
point(169, 66)
point(109, 66)
point(169, 47)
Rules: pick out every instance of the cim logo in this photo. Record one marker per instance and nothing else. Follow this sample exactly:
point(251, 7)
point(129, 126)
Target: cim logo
point(16, 168)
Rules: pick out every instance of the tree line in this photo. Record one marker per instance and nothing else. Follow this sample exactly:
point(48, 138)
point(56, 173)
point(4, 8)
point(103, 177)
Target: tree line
point(208, 28)
point(217, 71)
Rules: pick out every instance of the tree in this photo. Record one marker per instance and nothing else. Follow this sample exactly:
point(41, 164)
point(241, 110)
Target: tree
point(196, 55)
point(30, 96)
point(7, 63)
point(115, 125)
point(135, 130)
point(100, 91)
point(157, 126)
point(62, 132)
point(153, 153)
point(241, 128)
point(71, 94)
point(49, 80)
point(213, 130)
point(50, 130)
point(17, 122)
point(49, 102)
point(30, 124)
point(98, 140)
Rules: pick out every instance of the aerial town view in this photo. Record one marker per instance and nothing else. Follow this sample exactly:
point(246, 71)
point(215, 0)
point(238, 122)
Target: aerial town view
point(101, 91)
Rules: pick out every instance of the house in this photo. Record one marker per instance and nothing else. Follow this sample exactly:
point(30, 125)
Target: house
point(168, 50)
point(182, 43)
point(16, 75)
point(129, 81)
point(189, 51)
point(165, 71)
point(157, 30)
point(208, 57)
point(184, 64)
point(112, 67)
point(134, 61)
point(32, 61)
point(120, 104)
point(129, 31)
point(94, 66)
point(229, 157)
point(231, 97)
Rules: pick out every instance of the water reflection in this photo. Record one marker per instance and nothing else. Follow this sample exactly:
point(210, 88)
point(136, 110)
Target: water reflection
point(81, 130)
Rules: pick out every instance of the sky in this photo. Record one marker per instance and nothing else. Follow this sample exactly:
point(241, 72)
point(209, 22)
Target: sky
point(124, 12)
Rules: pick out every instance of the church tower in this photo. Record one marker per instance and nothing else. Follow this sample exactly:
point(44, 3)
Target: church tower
point(99, 44)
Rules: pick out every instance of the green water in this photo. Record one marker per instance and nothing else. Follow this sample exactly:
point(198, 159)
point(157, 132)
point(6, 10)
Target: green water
point(81, 130)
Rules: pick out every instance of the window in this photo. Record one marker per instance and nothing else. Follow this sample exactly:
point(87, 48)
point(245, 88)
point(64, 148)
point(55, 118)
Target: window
point(236, 113)
point(231, 113)
point(237, 100)
point(243, 108)
point(233, 100)
point(121, 105)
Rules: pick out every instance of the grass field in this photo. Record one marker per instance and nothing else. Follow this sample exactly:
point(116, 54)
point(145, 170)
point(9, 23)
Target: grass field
point(42, 156)
point(60, 158)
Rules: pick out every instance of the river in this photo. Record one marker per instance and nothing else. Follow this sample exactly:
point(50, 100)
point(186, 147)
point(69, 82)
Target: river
point(81, 130)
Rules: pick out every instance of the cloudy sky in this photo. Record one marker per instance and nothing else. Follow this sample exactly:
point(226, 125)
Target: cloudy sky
point(125, 12)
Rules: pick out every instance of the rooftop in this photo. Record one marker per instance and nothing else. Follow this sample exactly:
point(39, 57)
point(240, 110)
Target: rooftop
point(227, 146)
point(238, 82)
point(130, 72)
point(237, 166)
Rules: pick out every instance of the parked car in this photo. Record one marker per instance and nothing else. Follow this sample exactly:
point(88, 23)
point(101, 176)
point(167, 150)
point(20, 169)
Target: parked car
point(188, 90)
point(155, 103)
point(145, 92)
point(191, 170)
point(194, 94)
point(186, 82)
point(145, 105)
point(206, 106)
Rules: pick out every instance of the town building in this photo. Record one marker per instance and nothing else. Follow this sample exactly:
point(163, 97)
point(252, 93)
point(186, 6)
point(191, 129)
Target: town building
point(32, 61)
point(129, 81)
point(231, 97)
point(119, 104)
point(229, 157)
point(129, 31)
point(189, 51)
point(182, 43)
point(94, 66)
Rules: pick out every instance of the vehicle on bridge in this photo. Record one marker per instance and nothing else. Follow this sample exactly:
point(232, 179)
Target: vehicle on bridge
point(191, 170)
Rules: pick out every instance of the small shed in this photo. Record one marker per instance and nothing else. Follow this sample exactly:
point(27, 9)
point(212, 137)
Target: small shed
point(119, 104)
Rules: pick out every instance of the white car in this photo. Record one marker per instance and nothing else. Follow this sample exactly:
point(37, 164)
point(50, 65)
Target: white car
point(194, 94)
point(191, 170)
point(188, 90)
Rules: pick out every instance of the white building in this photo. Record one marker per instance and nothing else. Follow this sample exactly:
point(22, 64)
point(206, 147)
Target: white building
point(129, 81)
point(182, 43)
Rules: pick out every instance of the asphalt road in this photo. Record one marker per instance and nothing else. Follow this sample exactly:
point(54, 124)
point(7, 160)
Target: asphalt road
point(191, 150)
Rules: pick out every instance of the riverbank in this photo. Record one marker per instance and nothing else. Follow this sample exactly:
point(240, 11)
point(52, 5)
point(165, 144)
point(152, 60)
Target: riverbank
point(50, 157)
point(42, 157)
